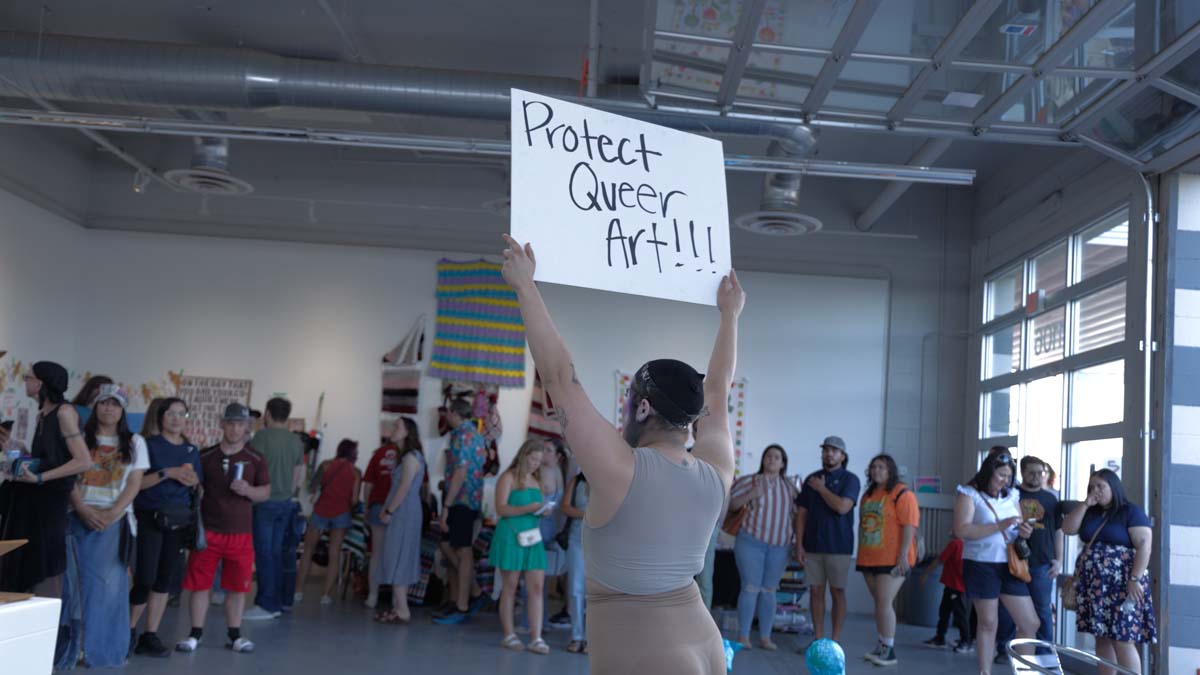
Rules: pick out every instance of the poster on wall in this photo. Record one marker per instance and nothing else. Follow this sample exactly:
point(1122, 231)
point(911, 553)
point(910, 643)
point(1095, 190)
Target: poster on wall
point(737, 416)
point(206, 398)
point(618, 204)
point(21, 410)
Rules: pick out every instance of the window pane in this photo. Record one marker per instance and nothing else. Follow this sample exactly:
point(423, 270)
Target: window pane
point(1000, 412)
point(1049, 270)
point(1101, 317)
point(1098, 395)
point(1049, 337)
point(1004, 294)
point(1044, 417)
point(1088, 457)
point(1002, 352)
point(1104, 245)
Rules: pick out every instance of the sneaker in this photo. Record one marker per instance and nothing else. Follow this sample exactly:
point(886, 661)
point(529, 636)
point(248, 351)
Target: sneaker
point(475, 604)
point(217, 599)
point(150, 645)
point(326, 600)
point(935, 642)
point(241, 646)
point(372, 600)
point(887, 657)
point(561, 620)
point(286, 609)
point(187, 644)
point(455, 617)
point(964, 648)
point(257, 613)
point(875, 653)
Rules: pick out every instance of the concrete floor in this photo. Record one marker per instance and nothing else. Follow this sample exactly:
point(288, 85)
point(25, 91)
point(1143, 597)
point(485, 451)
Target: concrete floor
point(342, 640)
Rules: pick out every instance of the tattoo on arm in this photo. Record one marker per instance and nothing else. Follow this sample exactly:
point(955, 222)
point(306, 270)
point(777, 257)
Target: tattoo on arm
point(560, 414)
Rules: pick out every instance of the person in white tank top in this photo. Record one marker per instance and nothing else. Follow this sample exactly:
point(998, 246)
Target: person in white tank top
point(641, 613)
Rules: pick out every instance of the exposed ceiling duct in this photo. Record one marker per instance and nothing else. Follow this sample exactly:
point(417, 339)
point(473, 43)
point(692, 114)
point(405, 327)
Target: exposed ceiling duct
point(779, 213)
point(70, 68)
point(209, 172)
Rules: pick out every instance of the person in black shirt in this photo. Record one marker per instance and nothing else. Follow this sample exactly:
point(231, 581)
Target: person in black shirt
point(1046, 547)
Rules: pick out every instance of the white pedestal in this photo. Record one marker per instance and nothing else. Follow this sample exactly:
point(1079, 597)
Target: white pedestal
point(28, 630)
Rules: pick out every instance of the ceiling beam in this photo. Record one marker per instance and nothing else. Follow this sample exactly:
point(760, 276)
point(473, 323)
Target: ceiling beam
point(1109, 151)
point(950, 48)
point(926, 155)
point(449, 145)
point(739, 54)
point(1175, 157)
point(1172, 55)
point(1086, 27)
point(1177, 90)
point(847, 39)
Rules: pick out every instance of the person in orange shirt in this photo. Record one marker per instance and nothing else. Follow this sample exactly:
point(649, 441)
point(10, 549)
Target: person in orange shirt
point(887, 547)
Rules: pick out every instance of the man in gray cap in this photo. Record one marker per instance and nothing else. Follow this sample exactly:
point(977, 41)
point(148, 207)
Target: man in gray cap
point(825, 533)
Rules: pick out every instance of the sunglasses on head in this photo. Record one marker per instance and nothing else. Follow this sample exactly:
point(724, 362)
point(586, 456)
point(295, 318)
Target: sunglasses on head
point(1002, 459)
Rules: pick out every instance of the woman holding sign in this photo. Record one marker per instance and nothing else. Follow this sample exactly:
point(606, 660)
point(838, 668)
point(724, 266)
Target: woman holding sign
point(652, 505)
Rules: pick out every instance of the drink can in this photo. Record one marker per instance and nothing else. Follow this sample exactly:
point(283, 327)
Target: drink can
point(238, 469)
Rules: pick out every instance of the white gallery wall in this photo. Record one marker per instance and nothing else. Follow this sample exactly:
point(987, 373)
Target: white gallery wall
point(305, 319)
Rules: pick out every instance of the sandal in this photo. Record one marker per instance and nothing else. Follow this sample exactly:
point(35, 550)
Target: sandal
point(391, 617)
point(577, 647)
point(539, 646)
point(512, 642)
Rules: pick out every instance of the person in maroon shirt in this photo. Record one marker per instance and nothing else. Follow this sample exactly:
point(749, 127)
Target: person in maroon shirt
point(235, 478)
point(954, 599)
point(376, 483)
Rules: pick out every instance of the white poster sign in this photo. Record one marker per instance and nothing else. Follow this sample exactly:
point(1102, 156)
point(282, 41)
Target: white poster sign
point(617, 204)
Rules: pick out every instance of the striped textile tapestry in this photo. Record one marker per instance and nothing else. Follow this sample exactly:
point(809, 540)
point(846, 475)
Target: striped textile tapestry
point(480, 336)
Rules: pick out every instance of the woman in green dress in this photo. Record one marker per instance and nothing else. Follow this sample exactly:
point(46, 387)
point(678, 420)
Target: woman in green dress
point(518, 502)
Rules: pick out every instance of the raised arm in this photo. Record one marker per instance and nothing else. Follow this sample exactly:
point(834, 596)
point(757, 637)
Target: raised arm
point(603, 455)
point(713, 442)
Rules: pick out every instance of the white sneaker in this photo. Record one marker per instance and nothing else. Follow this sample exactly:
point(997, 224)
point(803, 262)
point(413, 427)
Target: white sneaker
point(297, 598)
point(217, 599)
point(326, 600)
point(188, 644)
point(241, 646)
point(372, 600)
point(257, 613)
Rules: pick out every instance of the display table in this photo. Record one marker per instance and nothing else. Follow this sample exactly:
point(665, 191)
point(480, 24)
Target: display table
point(28, 630)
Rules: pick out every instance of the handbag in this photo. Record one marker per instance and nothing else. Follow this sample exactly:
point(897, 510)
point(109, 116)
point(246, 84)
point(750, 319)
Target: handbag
point(127, 550)
point(733, 519)
point(198, 540)
point(172, 517)
point(1066, 582)
point(527, 538)
point(1017, 566)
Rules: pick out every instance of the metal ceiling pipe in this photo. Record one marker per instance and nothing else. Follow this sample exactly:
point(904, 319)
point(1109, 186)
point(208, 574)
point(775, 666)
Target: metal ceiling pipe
point(781, 191)
point(70, 68)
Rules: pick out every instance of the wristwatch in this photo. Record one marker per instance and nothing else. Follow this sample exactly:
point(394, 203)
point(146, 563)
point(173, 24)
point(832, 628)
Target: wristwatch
point(162, 474)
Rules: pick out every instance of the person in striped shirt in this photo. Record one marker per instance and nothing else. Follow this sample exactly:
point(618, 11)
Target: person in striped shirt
point(763, 541)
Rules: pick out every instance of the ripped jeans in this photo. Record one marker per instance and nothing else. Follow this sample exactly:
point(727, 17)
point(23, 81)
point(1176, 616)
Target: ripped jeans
point(760, 566)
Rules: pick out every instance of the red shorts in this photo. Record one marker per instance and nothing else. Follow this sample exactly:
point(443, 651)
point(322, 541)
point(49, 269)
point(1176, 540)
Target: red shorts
point(235, 552)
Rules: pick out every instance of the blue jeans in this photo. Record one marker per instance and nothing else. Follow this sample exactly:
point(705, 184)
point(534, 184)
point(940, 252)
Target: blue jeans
point(272, 521)
point(1041, 590)
point(95, 597)
point(576, 586)
point(760, 566)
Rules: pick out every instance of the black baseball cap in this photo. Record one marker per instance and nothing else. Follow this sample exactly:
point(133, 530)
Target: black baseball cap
point(674, 389)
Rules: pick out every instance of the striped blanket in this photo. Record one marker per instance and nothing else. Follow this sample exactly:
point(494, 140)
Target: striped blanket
point(480, 336)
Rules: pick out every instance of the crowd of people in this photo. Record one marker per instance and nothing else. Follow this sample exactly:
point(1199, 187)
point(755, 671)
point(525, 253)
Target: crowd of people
point(118, 522)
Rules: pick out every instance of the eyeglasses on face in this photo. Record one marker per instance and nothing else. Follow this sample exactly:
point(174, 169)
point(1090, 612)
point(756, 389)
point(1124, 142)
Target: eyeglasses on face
point(178, 415)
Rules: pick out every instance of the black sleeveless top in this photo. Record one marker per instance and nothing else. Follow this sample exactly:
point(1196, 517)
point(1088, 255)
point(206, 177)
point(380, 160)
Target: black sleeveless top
point(50, 446)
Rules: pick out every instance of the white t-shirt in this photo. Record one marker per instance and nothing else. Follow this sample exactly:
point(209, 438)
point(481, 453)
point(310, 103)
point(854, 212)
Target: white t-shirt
point(994, 547)
point(103, 483)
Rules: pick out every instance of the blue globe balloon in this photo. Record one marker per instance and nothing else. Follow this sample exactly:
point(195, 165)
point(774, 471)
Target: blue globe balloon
point(825, 657)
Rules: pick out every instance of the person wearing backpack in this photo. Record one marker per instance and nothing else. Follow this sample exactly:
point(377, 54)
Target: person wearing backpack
point(887, 547)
